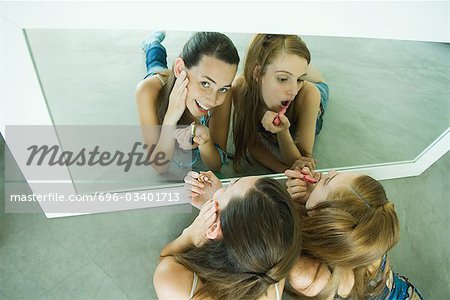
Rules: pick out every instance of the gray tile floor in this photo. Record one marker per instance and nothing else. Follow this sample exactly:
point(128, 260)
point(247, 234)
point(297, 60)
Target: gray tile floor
point(113, 256)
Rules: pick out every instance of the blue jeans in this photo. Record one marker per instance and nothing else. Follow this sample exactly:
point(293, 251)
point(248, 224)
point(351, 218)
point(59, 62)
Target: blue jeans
point(155, 58)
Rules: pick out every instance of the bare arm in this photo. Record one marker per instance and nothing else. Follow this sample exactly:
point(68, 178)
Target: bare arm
point(178, 245)
point(210, 156)
point(172, 280)
point(307, 107)
point(262, 155)
point(196, 233)
point(289, 151)
point(147, 93)
point(314, 75)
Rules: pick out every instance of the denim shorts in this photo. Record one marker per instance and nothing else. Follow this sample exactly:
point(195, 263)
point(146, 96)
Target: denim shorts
point(324, 97)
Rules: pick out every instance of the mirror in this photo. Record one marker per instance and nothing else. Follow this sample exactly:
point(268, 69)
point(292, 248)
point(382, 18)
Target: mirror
point(388, 98)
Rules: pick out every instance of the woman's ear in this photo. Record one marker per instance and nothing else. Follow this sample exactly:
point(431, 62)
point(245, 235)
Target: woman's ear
point(178, 66)
point(256, 73)
point(215, 231)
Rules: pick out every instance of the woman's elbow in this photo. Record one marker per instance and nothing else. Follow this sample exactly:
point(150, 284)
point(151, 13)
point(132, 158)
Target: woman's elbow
point(161, 170)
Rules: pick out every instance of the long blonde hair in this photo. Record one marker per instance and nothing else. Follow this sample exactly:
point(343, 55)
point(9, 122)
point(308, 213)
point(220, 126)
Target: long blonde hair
point(353, 228)
point(260, 244)
point(249, 105)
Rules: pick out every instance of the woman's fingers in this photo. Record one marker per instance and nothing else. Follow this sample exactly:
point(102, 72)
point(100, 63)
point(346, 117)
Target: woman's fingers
point(210, 219)
point(193, 174)
point(195, 190)
point(202, 135)
point(180, 86)
point(198, 203)
point(184, 94)
point(269, 115)
point(267, 119)
point(210, 175)
point(198, 140)
point(293, 174)
point(295, 182)
point(284, 121)
point(309, 162)
point(209, 211)
point(206, 206)
point(297, 193)
point(304, 161)
point(299, 196)
point(297, 189)
point(180, 80)
point(317, 176)
point(192, 179)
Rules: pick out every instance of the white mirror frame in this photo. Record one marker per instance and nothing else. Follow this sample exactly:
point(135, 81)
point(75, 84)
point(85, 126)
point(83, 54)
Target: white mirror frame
point(22, 99)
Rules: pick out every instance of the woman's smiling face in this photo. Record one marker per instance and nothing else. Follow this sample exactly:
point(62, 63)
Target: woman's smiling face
point(209, 84)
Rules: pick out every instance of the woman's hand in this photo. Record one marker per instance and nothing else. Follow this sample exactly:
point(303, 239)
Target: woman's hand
point(267, 122)
point(297, 187)
point(183, 136)
point(197, 231)
point(202, 135)
point(177, 99)
point(199, 188)
point(304, 161)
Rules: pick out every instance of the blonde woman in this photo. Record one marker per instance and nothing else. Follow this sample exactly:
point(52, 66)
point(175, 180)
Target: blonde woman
point(279, 104)
point(348, 226)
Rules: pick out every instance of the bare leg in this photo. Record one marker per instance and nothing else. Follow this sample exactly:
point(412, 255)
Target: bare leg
point(314, 75)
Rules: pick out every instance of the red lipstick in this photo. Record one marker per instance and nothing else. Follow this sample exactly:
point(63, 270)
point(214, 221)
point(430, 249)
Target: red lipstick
point(277, 120)
point(309, 179)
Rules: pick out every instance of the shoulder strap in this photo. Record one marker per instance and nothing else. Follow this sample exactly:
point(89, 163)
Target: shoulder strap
point(194, 286)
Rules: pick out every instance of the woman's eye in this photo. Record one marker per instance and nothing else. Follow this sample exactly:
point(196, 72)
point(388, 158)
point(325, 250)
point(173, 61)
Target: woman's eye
point(282, 79)
point(205, 84)
point(223, 90)
point(300, 80)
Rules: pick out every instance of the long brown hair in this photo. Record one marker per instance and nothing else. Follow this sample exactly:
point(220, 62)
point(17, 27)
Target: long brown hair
point(249, 105)
point(213, 44)
point(353, 228)
point(260, 244)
